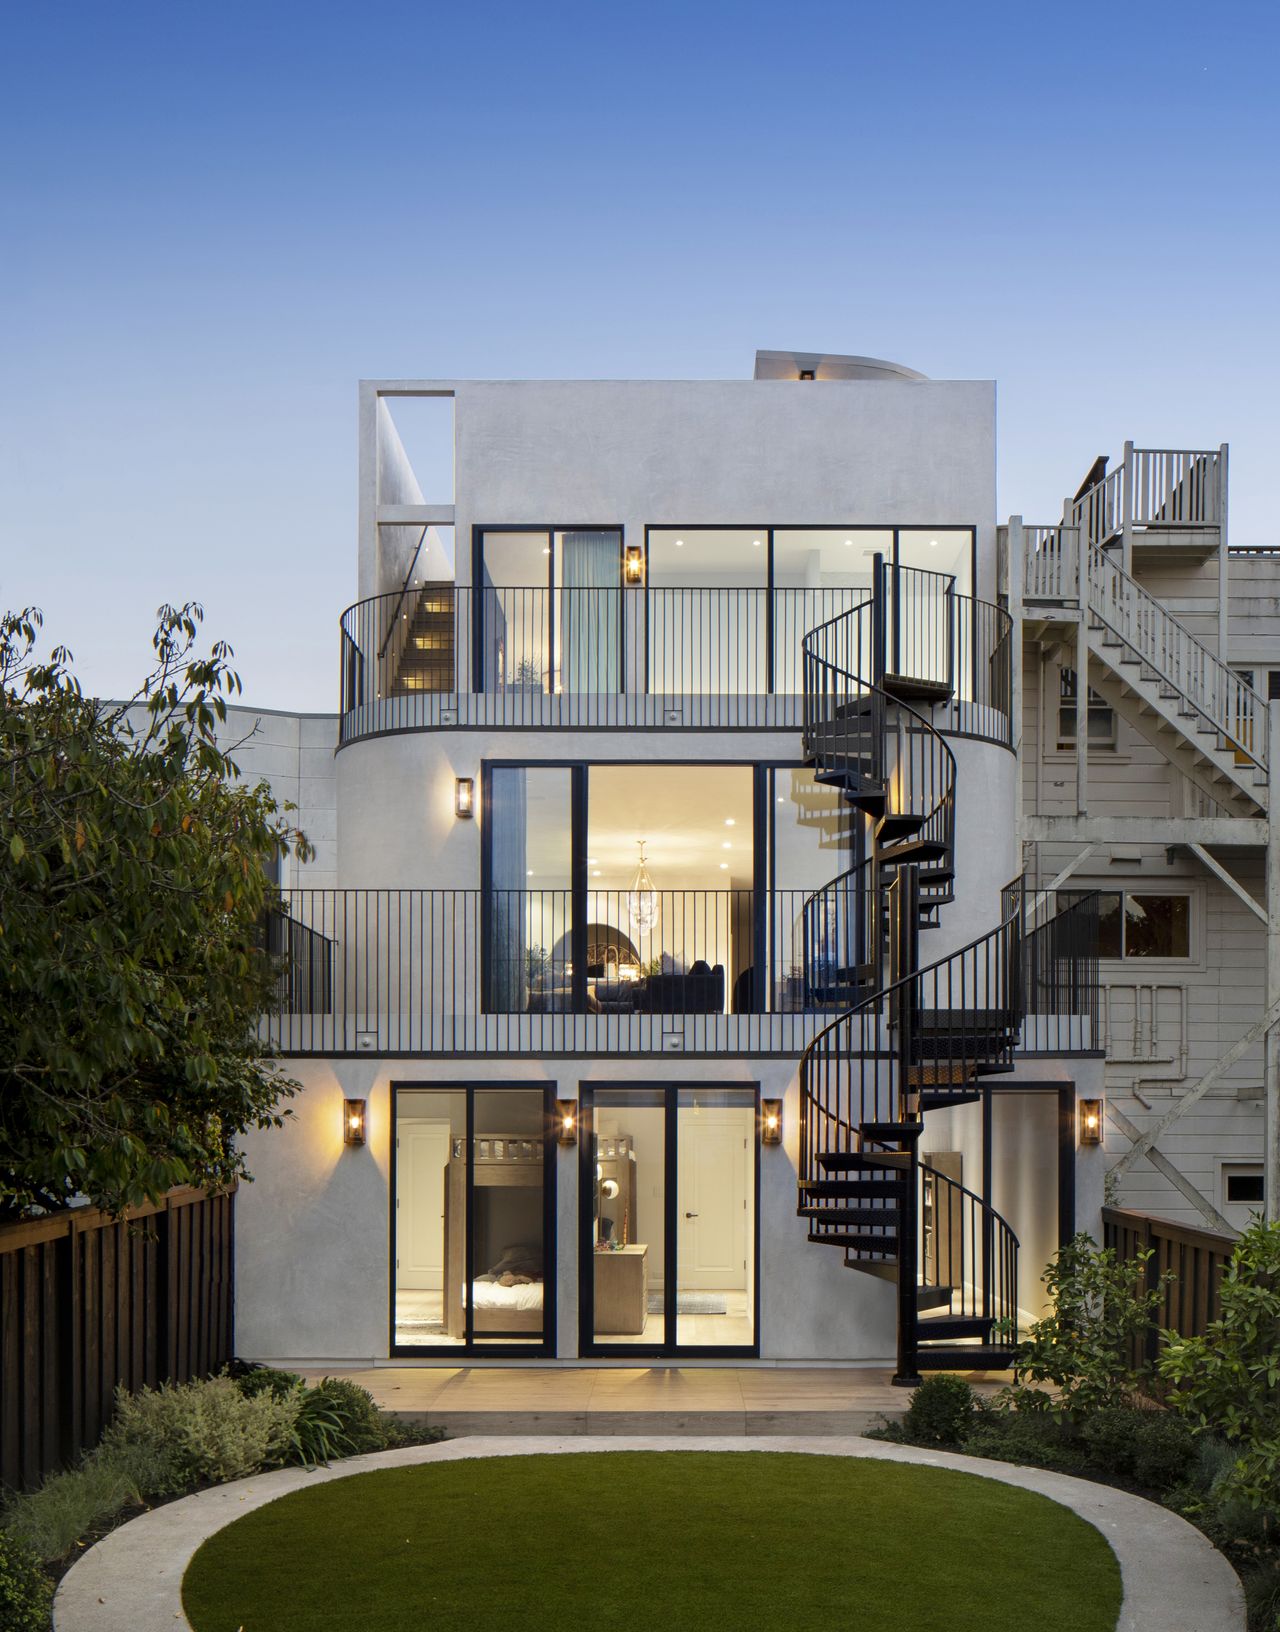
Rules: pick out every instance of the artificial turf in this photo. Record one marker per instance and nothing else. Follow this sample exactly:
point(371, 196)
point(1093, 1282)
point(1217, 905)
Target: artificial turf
point(672, 1541)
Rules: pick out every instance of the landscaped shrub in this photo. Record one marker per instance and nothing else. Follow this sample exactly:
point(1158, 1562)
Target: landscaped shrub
point(174, 1438)
point(362, 1424)
point(1038, 1438)
point(254, 1380)
point(316, 1434)
point(1101, 1304)
point(1228, 1381)
point(941, 1411)
point(1154, 1449)
point(26, 1592)
point(67, 1506)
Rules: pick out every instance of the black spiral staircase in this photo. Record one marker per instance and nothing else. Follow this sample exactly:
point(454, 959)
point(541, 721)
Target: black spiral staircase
point(910, 1038)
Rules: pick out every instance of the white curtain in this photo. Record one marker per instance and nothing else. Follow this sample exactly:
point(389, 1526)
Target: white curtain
point(591, 623)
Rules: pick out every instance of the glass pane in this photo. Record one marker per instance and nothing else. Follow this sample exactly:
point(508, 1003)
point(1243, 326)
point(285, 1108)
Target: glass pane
point(936, 549)
point(818, 573)
point(706, 611)
point(678, 941)
point(516, 604)
point(818, 920)
point(628, 1212)
point(715, 1218)
point(588, 621)
point(430, 1217)
point(1109, 926)
point(509, 1249)
point(1157, 926)
point(530, 955)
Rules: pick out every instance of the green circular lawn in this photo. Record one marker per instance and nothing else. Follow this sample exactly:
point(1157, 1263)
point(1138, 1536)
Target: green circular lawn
point(656, 1542)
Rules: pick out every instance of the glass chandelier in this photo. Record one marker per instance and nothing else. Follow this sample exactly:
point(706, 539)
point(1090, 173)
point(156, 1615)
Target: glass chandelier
point(642, 898)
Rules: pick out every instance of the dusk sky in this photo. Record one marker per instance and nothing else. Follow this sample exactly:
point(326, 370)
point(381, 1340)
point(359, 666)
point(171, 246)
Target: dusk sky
point(218, 218)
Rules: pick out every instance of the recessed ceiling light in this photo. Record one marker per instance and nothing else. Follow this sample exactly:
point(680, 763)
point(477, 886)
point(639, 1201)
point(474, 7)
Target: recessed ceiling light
point(547, 550)
point(679, 543)
point(726, 845)
point(724, 866)
point(848, 543)
point(529, 874)
point(756, 542)
point(933, 543)
point(781, 800)
point(591, 861)
point(729, 821)
point(595, 875)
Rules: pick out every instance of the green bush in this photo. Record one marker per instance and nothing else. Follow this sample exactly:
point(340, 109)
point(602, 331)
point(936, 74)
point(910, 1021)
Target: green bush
point(26, 1592)
point(363, 1425)
point(316, 1435)
point(265, 1380)
point(174, 1438)
point(1037, 1438)
point(67, 1506)
point(1101, 1304)
point(941, 1411)
point(401, 1433)
point(1228, 1381)
point(1154, 1449)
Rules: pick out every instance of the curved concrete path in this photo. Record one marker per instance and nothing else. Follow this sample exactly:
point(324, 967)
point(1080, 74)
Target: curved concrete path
point(131, 1581)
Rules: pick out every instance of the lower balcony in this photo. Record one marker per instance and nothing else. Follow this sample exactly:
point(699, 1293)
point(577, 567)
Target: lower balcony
point(744, 973)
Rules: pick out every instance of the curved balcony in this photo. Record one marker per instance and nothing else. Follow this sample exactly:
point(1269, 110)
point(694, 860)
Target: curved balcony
point(693, 658)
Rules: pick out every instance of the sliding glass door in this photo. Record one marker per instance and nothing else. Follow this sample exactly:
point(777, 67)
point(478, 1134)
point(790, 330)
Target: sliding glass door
point(549, 610)
point(669, 1220)
point(472, 1220)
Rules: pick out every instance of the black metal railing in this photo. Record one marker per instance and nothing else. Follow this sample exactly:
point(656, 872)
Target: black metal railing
point(407, 971)
point(444, 655)
point(967, 1247)
point(1062, 991)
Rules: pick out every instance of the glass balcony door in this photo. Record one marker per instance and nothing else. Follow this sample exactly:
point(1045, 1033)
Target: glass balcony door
point(549, 610)
point(669, 1220)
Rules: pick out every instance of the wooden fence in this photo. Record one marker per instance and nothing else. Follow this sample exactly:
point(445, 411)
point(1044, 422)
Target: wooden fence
point(1196, 1257)
point(89, 1303)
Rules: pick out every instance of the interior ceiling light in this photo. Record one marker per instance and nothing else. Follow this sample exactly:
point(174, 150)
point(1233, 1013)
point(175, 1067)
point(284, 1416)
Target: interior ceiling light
point(933, 543)
point(724, 866)
point(848, 543)
point(595, 875)
point(756, 542)
point(679, 543)
point(729, 821)
point(726, 845)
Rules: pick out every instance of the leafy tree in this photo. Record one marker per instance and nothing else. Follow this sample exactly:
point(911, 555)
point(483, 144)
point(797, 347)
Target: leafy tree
point(135, 875)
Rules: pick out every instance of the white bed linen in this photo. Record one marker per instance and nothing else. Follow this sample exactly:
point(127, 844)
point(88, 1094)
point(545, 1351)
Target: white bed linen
point(490, 1295)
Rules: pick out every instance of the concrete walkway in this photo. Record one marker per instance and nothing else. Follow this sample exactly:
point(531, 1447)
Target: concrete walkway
point(639, 1399)
point(1174, 1581)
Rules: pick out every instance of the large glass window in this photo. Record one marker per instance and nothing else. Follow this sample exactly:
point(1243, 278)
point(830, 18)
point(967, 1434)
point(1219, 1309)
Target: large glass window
point(818, 573)
point(550, 610)
point(707, 617)
point(469, 1221)
point(530, 964)
point(669, 1207)
point(820, 915)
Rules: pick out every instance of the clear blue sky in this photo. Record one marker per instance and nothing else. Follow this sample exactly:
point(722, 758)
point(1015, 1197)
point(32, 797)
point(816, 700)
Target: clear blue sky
point(217, 218)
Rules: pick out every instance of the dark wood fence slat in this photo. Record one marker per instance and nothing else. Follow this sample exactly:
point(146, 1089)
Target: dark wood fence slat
point(89, 1302)
point(1198, 1259)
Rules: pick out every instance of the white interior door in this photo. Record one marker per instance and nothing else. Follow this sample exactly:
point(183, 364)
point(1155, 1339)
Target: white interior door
point(421, 1155)
point(714, 1151)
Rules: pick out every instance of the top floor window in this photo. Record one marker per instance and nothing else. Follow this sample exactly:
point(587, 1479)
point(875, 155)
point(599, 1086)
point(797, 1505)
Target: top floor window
point(1101, 725)
point(1140, 923)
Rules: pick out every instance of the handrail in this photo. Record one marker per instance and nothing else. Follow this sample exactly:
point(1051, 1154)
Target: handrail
point(982, 1274)
point(1228, 703)
point(404, 590)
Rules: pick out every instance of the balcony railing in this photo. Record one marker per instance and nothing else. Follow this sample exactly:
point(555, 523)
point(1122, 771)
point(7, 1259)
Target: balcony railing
point(732, 971)
point(699, 658)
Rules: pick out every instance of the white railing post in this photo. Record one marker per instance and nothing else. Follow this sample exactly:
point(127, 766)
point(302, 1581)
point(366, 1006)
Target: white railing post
point(1127, 479)
point(1224, 564)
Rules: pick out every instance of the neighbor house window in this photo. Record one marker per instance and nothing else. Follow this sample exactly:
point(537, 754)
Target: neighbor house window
point(1135, 924)
point(1102, 719)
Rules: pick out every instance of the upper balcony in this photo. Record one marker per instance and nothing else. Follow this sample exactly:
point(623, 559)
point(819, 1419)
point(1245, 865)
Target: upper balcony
point(609, 642)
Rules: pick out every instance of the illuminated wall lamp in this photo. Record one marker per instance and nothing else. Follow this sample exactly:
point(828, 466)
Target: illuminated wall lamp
point(770, 1121)
point(464, 796)
point(566, 1121)
point(353, 1121)
point(1090, 1121)
point(633, 564)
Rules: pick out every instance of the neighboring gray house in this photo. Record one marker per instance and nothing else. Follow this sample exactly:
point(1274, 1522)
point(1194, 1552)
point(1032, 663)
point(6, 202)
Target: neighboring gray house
point(670, 949)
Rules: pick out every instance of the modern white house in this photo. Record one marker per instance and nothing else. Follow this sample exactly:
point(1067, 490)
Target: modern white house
point(722, 940)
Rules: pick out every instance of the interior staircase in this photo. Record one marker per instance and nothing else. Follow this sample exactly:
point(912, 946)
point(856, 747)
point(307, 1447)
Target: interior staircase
point(911, 1038)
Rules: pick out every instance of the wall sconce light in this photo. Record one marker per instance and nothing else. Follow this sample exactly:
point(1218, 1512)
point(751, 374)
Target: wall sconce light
point(353, 1121)
point(566, 1121)
point(464, 796)
point(1090, 1121)
point(770, 1121)
point(633, 564)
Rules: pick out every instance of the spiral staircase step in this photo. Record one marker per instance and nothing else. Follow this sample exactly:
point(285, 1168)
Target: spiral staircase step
point(907, 688)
